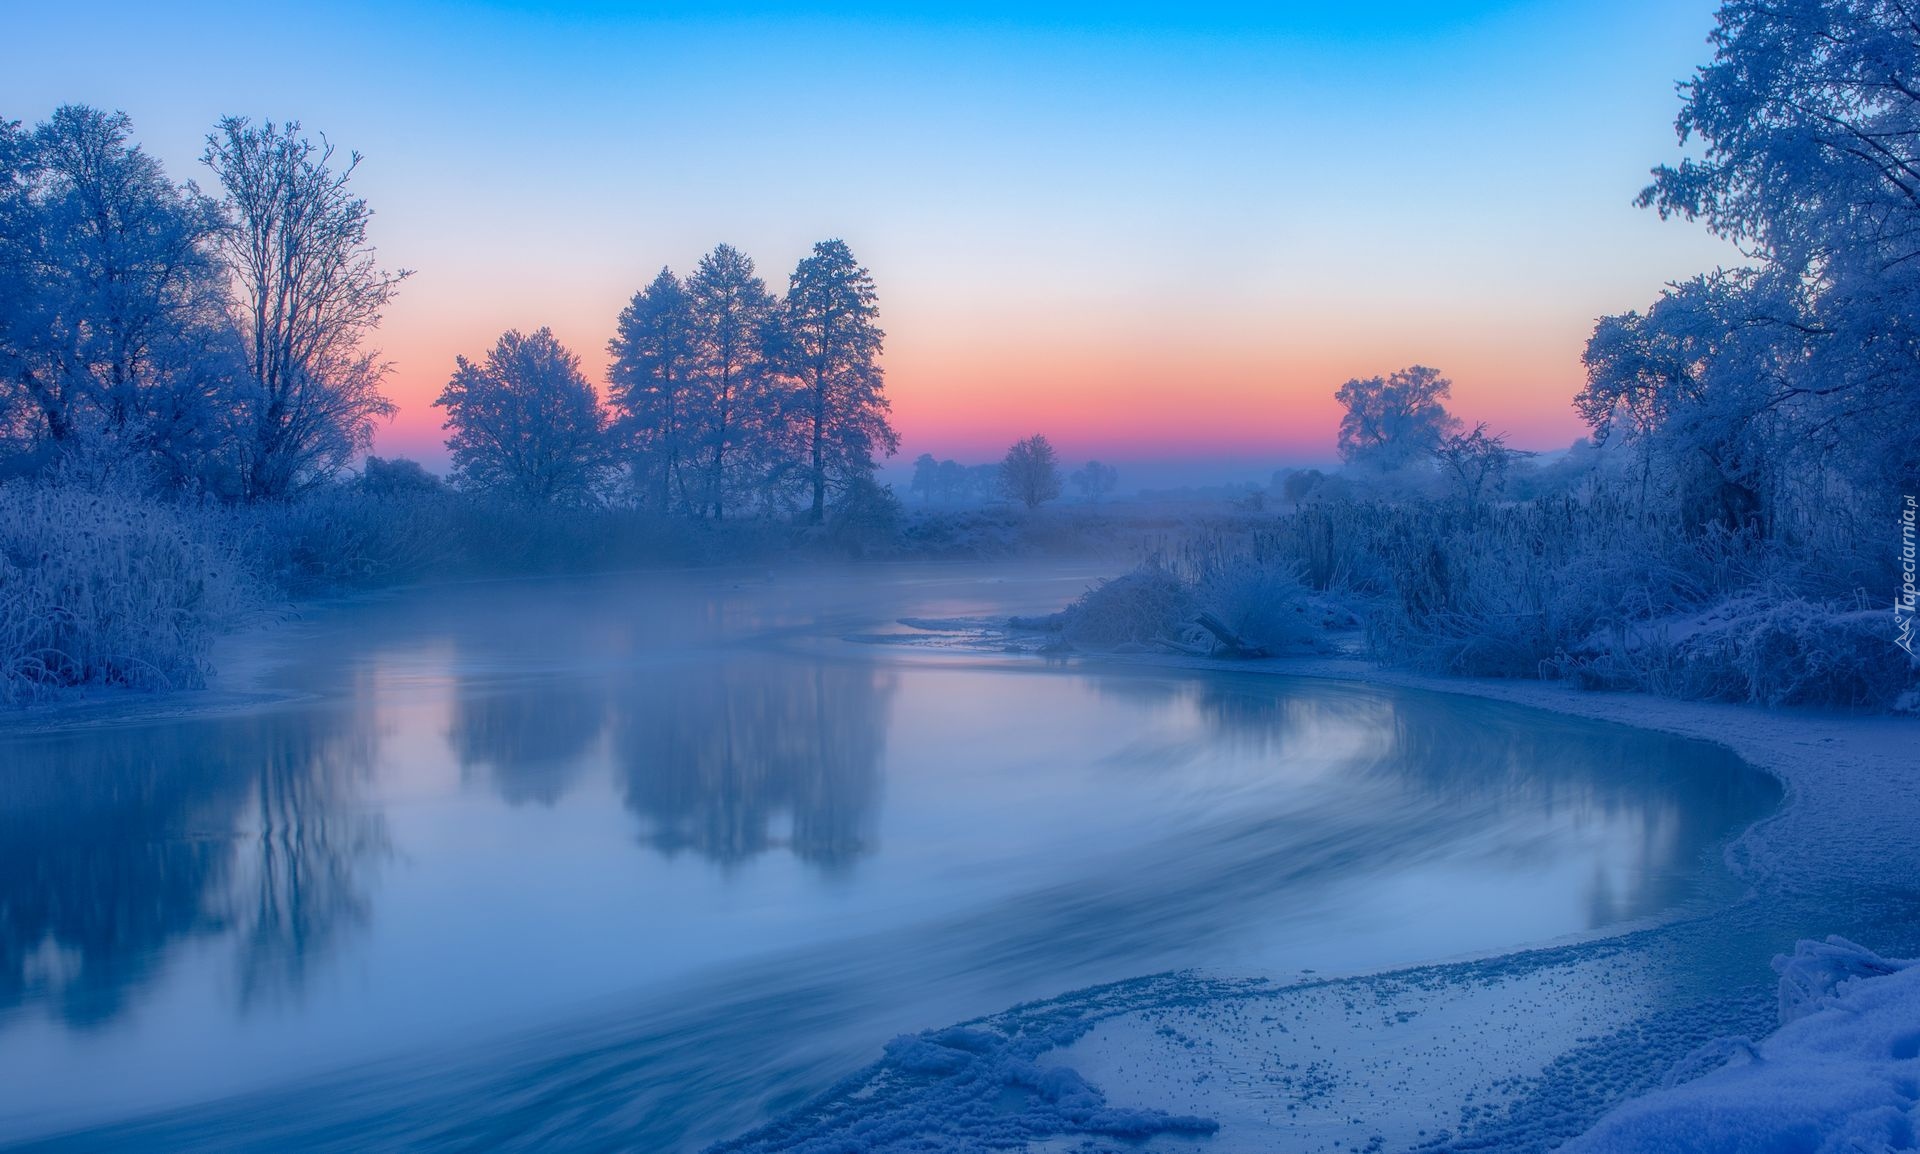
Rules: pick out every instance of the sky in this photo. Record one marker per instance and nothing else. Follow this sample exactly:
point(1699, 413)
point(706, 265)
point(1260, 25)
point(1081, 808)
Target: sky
point(1162, 235)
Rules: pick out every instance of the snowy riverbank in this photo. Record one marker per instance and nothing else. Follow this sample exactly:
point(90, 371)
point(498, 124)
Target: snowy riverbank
point(1522, 1051)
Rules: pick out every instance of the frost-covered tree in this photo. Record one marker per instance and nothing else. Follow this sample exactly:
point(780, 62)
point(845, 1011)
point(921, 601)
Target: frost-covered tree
point(1395, 420)
point(112, 332)
point(1030, 472)
point(652, 391)
point(308, 292)
point(831, 346)
point(1809, 115)
point(525, 422)
point(1697, 386)
point(1476, 463)
point(1095, 480)
point(733, 317)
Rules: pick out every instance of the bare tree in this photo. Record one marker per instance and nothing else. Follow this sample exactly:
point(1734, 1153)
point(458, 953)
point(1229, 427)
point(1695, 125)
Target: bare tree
point(308, 291)
point(1030, 472)
point(1476, 462)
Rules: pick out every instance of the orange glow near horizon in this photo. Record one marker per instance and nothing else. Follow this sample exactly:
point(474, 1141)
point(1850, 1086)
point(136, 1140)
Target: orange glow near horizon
point(1095, 396)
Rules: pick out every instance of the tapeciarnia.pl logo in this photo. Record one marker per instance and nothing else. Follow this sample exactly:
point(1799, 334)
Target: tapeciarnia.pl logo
point(1903, 602)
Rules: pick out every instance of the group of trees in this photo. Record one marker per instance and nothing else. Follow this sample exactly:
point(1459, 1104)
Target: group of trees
point(217, 342)
point(220, 343)
point(723, 397)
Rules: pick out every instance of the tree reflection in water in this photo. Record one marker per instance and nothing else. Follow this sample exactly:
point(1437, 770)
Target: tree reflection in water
point(529, 737)
point(716, 757)
point(117, 844)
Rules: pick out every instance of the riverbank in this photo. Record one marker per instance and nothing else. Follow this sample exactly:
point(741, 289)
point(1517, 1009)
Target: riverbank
point(1521, 1051)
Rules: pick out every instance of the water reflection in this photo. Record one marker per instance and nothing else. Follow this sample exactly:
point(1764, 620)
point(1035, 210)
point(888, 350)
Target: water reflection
point(530, 738)
point(772, 850)
point(717, 758)
point(117, 844)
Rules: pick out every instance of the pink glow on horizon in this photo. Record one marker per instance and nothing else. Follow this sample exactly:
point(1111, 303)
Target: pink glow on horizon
point(1093, 400)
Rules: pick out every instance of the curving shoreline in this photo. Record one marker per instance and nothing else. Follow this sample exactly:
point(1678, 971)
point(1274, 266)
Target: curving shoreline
point(1162, 1054)
point(1520, 1051)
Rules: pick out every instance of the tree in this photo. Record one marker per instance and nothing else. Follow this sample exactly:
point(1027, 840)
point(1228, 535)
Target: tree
point(1298, 484)
point(1810, 119)
point(112, 333)
point(732, 318)
point(652, 389)
point(1392, 421)
point(832, 348)
point(525, 422)
point(397, 477)
point(1476, 462)
point(955, 481)
point(1095, 480)
point(1029, 473)
point(926, 476)
point(308, 292)
point(1699, 389)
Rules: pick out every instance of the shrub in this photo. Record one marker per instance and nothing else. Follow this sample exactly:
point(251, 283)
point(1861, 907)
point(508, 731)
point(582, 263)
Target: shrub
point(105, 587)
point(1147, 606)
point(1263, 603)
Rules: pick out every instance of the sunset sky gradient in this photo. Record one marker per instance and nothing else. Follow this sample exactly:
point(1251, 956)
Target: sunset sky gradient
point(1151, 233)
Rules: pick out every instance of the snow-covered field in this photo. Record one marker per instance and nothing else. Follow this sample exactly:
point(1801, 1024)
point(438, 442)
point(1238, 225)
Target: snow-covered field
point(1525, 1051)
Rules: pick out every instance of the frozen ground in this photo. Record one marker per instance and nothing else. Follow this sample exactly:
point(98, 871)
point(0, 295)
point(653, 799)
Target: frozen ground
point(1520, 1052)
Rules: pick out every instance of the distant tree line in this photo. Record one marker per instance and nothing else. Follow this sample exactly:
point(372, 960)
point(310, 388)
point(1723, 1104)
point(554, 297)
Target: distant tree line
point(1029, 474)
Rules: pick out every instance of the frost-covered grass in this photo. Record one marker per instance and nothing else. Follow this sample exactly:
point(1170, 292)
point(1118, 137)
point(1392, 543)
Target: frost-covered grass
point(101, 587)
point(1594, 586)
point(104, 584)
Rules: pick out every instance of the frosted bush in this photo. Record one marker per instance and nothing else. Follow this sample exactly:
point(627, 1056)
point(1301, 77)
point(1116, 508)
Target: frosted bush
point(345, 537)
point(1147, 606)
point(1263, 604)
point(1793, 652)
point(104, 587)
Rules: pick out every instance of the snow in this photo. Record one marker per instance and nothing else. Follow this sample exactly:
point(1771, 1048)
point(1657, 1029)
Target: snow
point(1841, 1074)
point(1637, 1040)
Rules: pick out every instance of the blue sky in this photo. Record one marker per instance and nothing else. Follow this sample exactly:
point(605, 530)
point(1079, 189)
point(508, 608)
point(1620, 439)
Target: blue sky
point(1146, 230)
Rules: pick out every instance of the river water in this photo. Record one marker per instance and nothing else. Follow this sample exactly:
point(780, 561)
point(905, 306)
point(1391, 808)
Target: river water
point(637, 862)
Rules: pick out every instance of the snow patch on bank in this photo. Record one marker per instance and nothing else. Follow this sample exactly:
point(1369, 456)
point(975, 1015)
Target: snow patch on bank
point(1842, 1074)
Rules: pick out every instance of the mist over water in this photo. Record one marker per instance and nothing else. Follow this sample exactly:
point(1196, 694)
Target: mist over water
point(644, 860)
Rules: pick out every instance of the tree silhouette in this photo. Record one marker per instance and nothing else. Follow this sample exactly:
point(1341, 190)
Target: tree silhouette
point(731, 313)
point(1030, 473)
point(831, 344)
point(308, 292)
point(1393, 421)
point(651, 379)
point(525, 422)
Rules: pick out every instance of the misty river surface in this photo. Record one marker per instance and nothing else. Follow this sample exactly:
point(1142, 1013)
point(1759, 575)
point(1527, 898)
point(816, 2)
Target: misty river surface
point(637, 862)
